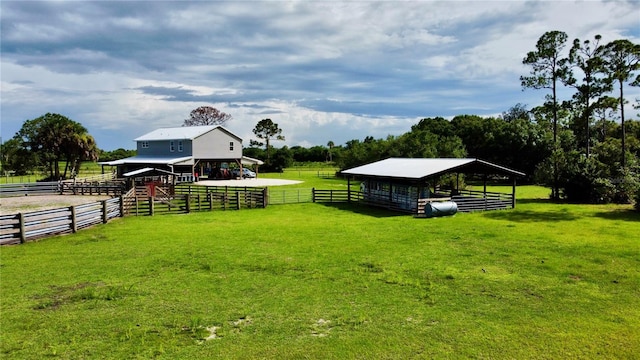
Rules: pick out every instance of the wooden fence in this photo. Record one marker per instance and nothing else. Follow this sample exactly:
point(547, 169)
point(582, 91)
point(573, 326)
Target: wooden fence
point(185, 203)
point(104, 187)
point(279, 196)
point(35, 188)
point(187, 198)
point(68, 187)
point(466, 200)
point(22, 227)
point(470, 200)
point(333, 196)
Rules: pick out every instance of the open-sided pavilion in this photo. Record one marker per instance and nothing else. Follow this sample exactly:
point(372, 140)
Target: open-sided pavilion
point(407, 184)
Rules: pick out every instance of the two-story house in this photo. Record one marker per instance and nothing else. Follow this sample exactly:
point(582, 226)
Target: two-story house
point(186, 151)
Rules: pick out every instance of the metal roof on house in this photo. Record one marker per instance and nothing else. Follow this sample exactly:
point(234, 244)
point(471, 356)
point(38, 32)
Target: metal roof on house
point(183, 132)
point(419, 168)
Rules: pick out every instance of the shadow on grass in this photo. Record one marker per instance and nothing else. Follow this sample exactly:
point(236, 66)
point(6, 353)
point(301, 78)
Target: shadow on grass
point(531, 216)
point(624, 215)
point(365, 210)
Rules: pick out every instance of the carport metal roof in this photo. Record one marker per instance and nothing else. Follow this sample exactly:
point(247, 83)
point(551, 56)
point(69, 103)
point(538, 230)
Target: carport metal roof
point(146, 171)
point(420, 168)
point(156, 160)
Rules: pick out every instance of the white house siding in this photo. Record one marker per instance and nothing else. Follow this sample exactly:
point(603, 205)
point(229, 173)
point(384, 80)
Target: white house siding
point(215, 145)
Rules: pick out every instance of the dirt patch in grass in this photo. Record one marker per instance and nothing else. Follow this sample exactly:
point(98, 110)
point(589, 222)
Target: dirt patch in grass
point(23, 204)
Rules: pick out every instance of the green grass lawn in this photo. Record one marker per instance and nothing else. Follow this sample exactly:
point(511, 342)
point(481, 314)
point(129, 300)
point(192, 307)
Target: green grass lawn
point(318, 281)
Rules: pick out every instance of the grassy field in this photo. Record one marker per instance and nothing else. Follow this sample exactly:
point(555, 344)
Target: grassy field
point(317, 281)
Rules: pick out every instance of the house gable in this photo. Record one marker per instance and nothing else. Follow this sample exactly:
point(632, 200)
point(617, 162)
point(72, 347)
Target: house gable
point(218, 143)
point(204, 142)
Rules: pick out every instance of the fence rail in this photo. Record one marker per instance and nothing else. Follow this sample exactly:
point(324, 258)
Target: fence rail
point(470, 200)
point(35, 188)
point(332, 195)
point(22, 227)
point(290, 196)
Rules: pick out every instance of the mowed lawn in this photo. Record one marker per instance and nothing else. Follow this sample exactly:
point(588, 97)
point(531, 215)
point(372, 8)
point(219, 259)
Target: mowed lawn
point(551, 281)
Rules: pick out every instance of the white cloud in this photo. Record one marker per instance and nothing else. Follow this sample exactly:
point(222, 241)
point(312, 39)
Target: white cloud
point(322, 70)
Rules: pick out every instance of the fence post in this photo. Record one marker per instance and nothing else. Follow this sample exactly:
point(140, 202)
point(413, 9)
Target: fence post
point(121, 205)
point(151, 205)
point(210, 199)
point(313, 194)
point(237, 200)
point(188, 203)
point(265, 197)
point(74, 226)
point(105, 215)
point(23, 233)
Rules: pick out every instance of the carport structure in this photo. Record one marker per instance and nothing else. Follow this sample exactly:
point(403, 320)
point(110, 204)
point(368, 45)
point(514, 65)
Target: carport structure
point(407, 184)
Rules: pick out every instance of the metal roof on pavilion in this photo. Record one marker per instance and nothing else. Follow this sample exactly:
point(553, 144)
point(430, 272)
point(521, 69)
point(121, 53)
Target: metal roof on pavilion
point(420, 168)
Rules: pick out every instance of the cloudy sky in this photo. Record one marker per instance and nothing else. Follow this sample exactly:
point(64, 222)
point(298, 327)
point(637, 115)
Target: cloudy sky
point(322, 70)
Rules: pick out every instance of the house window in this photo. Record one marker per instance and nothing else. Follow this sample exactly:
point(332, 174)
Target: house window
point(230, 145)
point(144, 144)
point(172, 146)
point(180, 146)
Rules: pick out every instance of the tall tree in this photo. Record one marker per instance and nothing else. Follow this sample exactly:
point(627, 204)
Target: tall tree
point(54, 138)
point(622, 60)
point(206, 115)
point(548, 69)
point(586, 56)
point(267, 130)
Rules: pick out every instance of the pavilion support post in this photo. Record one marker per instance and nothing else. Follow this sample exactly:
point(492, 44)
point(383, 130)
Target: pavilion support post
point(484, 184)
point(513, 194)
point(484, 190)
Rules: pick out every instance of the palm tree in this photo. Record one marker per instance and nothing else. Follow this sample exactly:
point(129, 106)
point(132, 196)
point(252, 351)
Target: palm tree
point(330, 144)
